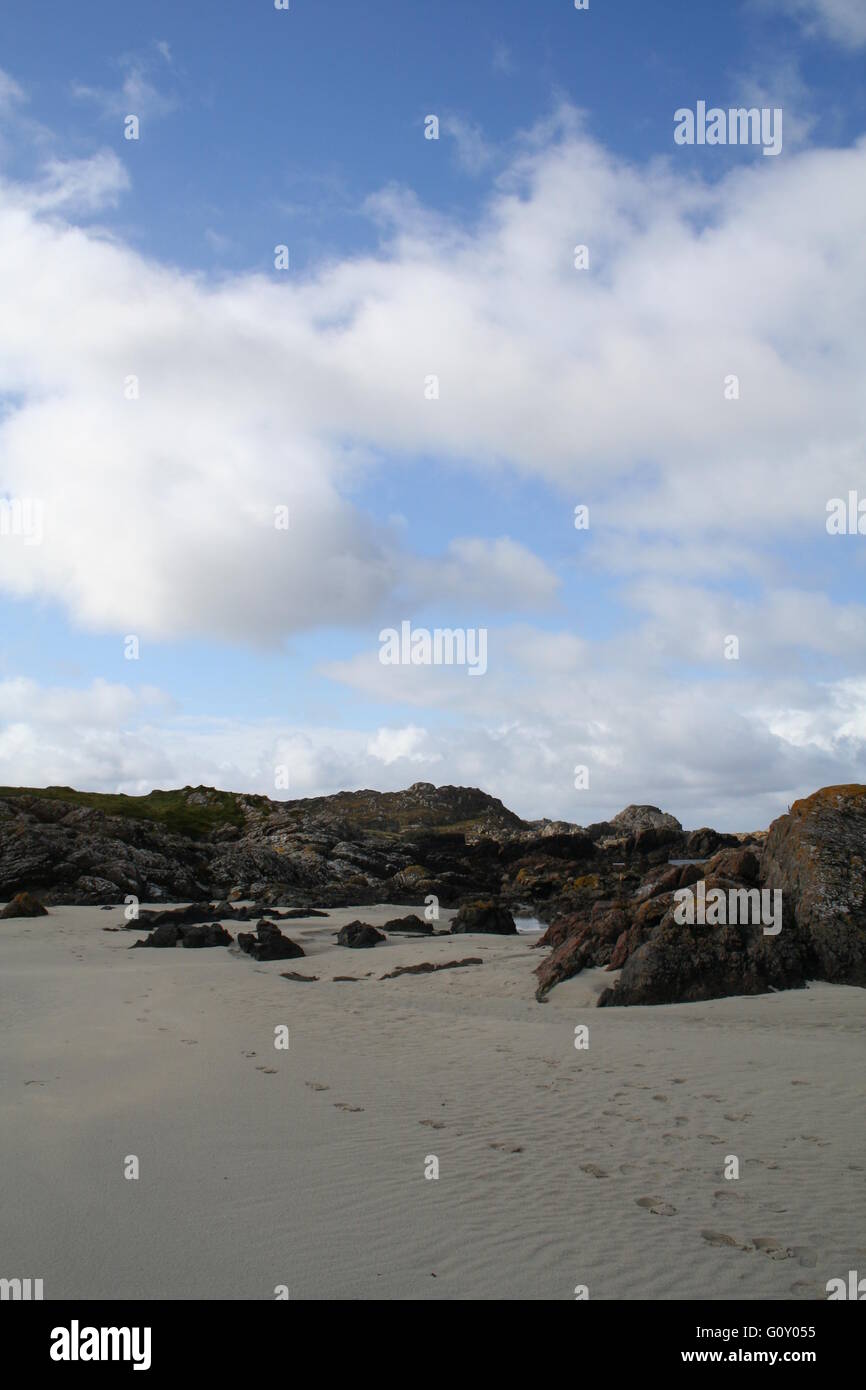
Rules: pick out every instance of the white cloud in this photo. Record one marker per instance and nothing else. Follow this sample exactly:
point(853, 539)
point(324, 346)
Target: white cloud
point(607, 385)
point(137, 95)
point(728, 757)
point(474, 153)
point(11, 94)
point(79, 185)
point(257, 391)
point(844, 21)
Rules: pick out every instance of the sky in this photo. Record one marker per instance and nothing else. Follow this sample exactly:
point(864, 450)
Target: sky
point(227, 469)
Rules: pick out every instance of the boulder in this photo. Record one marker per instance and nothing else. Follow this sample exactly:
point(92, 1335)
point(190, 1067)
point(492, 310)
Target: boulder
point(208, 934)
point(816, 855)
point(488, 916)
point(268, 943)
point(24, 905)
point(359, 934)
point(410, 923)
point(166, 934)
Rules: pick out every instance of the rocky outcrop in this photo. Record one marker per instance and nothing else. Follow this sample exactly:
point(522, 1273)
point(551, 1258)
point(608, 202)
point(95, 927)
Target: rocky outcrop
point(268, 943)
point(485, 916)
point(791, 908)
point(636, 818)
point(357, 935)
point(816, 854)
point(24, 905)
point(664, 960)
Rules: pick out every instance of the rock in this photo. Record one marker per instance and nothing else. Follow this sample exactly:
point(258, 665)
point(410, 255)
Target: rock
point(816, 855)
point(411, 923)
point(209, 934)
point(359, 934)
point(700, 844)
point(24, 905)
point(268, 943)
point(488, 916)
point(427, 967)
point(679, 964)
point(635, 818)
point(167, 934)
point(591, 942)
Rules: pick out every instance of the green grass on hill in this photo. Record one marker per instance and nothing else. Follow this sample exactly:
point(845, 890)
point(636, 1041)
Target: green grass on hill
point(169, 809)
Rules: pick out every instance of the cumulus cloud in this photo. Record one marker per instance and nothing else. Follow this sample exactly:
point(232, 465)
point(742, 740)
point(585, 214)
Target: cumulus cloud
point(256, 392)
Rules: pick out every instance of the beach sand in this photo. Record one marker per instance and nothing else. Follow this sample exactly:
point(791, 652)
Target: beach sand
point(306, 1168)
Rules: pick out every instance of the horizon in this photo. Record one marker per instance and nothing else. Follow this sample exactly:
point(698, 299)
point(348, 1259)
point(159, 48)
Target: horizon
point(469, 348)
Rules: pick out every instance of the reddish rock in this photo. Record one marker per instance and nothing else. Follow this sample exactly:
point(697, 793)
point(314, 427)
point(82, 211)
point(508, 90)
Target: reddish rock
point(816, 855)
point(24, 905)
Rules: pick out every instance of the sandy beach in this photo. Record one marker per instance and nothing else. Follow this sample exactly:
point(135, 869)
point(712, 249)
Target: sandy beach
point(305, 1167)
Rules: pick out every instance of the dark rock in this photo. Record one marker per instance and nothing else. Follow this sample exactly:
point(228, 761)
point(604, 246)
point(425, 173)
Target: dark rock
point(487, 916)
point(411, 923)
point(359, 934)
point(268, 943)
point(293, 975)
point(209, 934)
point(24, 905)
point(427, 967)
point(166, 934)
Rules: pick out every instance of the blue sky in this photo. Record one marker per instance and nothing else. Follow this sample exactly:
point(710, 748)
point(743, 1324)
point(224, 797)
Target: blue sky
point(558, 387)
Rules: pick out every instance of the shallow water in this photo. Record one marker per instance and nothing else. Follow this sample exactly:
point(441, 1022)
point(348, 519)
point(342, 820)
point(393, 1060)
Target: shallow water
point(527, 925)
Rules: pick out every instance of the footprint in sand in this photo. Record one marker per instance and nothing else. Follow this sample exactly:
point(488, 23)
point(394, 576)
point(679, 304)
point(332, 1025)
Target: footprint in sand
point(727, 1194)
point(344, 1105)
point(432, 1124)
point(191, 1041)
point(594, 1170)
point(743, 1115)
point(316, 1086)
point(248, 1054)
point(660, 1097)
point(805, 1256)
point(717, 1238)
point(656, 1205)
point(269, 1071)
point(802, 1289)
point(628, 1168)
point(505, 1147)
point(770, 1247)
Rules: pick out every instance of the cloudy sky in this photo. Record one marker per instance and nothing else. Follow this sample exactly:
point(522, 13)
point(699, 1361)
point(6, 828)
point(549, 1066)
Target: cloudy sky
point(165, 389)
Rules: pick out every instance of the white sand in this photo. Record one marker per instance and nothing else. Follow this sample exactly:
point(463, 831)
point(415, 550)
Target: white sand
point(252, 1177)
